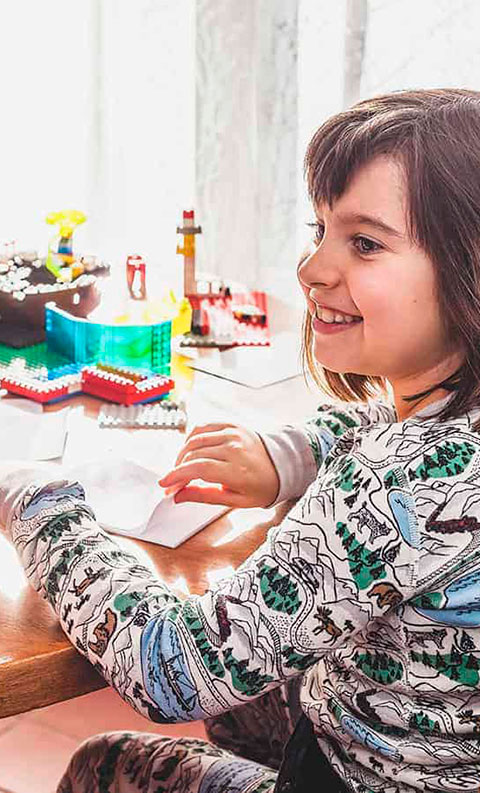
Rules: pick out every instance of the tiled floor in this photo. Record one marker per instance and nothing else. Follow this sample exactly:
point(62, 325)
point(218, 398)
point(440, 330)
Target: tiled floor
point(35, 747)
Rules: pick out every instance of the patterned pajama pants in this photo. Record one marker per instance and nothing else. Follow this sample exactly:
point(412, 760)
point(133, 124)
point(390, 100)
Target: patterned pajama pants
point(135, 762)
point(120, 762)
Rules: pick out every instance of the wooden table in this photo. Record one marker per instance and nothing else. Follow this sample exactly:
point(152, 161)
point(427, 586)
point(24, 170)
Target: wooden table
point(38, 665)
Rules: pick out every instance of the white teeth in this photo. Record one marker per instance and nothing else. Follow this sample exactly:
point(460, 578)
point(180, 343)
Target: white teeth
point(326, 315)
point(329, 316)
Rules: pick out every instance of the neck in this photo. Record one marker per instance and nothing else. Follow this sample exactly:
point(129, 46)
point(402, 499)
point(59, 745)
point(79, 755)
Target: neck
point(420, 383)
point(406, 409)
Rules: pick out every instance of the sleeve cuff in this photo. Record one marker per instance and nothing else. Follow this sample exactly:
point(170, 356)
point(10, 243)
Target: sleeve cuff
point(26, 493)
point(292, 456)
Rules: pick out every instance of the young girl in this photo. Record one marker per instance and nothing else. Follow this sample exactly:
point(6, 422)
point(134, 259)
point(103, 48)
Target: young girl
point(370, 588)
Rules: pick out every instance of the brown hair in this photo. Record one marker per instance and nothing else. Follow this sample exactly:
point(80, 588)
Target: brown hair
point(435, 134)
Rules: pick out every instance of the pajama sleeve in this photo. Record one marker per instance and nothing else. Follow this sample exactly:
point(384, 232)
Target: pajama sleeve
point(298, 451)
point(316, 581)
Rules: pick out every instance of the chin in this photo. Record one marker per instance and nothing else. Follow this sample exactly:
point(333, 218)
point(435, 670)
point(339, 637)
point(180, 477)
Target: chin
point(337, 367)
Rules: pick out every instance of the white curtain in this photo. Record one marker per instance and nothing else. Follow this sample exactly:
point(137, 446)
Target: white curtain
point(46, 80)
point(132, 110)
point(98, 113)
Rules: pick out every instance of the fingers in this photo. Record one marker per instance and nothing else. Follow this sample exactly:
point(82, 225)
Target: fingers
point(208, 495)
point(206, 428)
point(211, 453)
point(200, 442)
point(208, 470)
point(204, 437)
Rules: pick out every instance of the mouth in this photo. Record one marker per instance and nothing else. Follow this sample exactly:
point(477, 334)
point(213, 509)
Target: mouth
point(329, 316)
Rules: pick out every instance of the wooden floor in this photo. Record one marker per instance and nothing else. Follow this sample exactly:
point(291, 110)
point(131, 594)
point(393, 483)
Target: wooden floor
point(35, 747)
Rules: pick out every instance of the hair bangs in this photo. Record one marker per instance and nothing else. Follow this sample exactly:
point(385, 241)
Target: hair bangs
point(346, 142)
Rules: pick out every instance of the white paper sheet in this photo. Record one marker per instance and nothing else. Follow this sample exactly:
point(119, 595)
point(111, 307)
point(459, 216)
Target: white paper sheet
point(26, 433)
point(120, 469)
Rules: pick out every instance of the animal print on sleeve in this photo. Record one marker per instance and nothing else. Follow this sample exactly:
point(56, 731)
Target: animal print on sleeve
point(298, 452)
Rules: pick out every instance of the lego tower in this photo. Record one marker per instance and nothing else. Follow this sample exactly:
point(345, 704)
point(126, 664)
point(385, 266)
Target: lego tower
point(188, 250)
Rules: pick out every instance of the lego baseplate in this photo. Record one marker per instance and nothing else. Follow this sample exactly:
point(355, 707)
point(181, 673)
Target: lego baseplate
point(37, 360)
point(123, 386)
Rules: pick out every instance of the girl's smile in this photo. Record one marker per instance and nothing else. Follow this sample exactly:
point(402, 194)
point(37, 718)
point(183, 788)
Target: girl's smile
point(327, 319)
point(319, 326)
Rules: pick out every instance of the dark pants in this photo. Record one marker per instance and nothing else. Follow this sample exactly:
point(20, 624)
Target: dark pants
point(272, 730)
point(305, 764)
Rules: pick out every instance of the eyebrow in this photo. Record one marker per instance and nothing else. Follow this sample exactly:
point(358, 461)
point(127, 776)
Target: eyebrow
point(370, 220)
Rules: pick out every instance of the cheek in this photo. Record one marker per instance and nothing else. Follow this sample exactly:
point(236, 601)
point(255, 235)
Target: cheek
point(374, 302)
point(385, 304)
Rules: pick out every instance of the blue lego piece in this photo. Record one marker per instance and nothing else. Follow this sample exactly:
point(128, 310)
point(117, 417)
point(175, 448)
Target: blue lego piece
point(84, 342)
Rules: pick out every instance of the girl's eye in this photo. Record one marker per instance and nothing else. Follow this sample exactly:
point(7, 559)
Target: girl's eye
point(319, 230)
point(366, 246)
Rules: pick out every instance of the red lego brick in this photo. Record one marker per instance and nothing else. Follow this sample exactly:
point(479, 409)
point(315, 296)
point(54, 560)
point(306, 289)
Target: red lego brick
point(123, 387)
point(43, 391)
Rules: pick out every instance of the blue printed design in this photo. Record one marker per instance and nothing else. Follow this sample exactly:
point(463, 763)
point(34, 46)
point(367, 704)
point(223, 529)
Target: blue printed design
point(403, 507)
point(166, 674)
point(51, 495)
point(462, 603)
point(234, 777)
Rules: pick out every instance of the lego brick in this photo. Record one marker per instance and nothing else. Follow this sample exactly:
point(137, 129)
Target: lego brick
point(117, 385)
point(85, 342)
point(43, 391)
point(219, 321)
point(165, 414)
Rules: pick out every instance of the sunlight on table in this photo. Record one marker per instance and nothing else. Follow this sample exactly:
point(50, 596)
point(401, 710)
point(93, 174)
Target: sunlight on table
point(243, 521)
point(214, 576)
point(12, 575)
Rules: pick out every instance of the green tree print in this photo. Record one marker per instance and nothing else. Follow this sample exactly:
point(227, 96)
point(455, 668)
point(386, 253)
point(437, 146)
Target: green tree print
point(380, 667)
point(365, 564)
point(460, 667)
point(279, 592)
point(449, 459)
point(250, 682)
point(209, 655)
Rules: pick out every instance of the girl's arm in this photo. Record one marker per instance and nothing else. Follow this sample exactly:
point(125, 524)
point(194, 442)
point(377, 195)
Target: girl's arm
point(317, 580)
point(297, 452)
point(246, 468)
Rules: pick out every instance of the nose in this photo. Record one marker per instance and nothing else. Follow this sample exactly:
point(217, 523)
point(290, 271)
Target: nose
point(319, 266)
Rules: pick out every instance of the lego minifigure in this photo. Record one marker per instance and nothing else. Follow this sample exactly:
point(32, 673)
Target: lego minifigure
point(67, 221)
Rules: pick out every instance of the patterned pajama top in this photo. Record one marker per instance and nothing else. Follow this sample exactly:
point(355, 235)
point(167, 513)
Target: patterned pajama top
point(370, 589)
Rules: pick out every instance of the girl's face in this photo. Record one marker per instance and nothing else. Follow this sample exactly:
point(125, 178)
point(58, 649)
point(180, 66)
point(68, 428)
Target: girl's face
point(363, 265)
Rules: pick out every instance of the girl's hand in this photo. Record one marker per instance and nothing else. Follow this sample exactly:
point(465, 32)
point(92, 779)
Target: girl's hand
point(230, 457)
